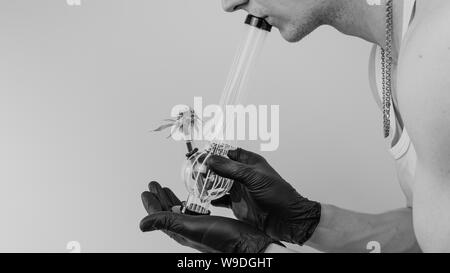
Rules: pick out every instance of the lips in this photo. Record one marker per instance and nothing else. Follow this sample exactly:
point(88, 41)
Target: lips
point(238, 7)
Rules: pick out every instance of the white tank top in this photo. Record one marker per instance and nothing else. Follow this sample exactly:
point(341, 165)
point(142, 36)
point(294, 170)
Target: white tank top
point(403, 150)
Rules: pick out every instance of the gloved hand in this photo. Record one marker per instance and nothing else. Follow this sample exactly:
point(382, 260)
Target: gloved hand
point(262, 198)
point(204, 233)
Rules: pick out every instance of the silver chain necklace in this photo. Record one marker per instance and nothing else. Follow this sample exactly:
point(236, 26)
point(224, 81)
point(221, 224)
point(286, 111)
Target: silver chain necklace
point(386, 67)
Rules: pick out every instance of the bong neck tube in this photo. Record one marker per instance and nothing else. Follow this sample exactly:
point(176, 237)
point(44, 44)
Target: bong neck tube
point(243, 64)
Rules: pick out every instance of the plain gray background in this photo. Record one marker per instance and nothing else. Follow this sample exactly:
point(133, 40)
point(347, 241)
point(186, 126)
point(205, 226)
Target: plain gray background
point(80, 87)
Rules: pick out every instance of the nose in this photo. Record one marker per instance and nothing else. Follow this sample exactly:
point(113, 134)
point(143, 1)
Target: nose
point(233, 5)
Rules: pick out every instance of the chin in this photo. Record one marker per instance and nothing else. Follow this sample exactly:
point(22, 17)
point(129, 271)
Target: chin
point(294, 33)
point(290, 36)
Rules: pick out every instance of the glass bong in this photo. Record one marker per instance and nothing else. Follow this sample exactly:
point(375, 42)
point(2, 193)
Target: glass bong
point(201, 182)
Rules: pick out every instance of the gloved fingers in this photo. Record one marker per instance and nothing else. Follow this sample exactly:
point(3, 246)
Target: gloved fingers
point(231, 169)
point(222, 202)
point(157, 190)
point(172, 197)
point(189, 243)
point(164, 220)
point(152, 205)
point(151, 202)
point(244, 156)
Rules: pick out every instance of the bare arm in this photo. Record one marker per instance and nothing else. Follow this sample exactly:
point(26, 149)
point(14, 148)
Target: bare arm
point(425, 101)
point(342, 230)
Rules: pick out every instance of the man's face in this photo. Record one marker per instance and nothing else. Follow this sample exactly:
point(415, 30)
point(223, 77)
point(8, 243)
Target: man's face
point(294, 18)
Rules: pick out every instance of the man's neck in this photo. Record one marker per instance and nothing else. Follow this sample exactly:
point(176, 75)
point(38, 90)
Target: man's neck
point(358, 18)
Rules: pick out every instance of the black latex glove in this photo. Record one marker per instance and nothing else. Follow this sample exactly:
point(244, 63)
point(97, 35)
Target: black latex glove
point(204, 233)
point(262, 198)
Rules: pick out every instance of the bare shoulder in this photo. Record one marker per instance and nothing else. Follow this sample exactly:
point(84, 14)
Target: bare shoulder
point(424, 82)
